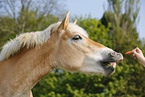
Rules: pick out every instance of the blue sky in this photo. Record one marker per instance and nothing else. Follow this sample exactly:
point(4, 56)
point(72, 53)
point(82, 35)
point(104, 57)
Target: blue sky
point(96, 9)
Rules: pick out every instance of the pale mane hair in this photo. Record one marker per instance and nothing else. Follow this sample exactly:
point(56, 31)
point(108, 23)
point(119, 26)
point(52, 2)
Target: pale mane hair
point(34, 39)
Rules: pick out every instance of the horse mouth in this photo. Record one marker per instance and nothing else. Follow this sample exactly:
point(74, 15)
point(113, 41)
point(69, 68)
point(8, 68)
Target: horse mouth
point(109, 67)
point(109, 63)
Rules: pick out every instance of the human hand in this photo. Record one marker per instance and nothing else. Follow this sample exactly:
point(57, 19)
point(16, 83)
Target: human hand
point(137, 53)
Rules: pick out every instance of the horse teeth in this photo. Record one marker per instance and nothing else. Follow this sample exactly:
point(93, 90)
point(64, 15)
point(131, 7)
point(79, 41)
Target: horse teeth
point(113, 64)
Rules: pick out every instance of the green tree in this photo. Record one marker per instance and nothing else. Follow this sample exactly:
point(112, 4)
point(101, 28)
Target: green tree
point(123, 15)
point(27, 11)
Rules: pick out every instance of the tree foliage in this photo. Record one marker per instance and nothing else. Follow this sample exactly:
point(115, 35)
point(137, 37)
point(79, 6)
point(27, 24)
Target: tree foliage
point(123, 15)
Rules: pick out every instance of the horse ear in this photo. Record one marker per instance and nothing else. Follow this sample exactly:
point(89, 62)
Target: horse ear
point(64, 23)
point(75, 21)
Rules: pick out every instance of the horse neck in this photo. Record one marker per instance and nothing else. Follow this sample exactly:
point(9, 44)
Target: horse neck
point(23, 70)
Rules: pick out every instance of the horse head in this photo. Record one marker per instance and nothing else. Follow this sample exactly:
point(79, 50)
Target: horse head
point(75, 52)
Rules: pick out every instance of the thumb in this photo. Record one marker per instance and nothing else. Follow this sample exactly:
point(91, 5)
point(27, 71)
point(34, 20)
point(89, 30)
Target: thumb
point(134, 52)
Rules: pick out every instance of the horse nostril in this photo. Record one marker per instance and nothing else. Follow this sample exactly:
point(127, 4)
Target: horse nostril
point(118, 54)
point(113, 54)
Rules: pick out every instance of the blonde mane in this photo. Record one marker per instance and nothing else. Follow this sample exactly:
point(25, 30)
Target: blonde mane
point(34, 39)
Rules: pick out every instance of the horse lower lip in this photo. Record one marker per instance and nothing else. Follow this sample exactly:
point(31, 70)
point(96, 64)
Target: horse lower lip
point(109, 70)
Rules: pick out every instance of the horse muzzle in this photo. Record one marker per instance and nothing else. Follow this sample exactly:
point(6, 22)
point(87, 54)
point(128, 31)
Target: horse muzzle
point(109, 63)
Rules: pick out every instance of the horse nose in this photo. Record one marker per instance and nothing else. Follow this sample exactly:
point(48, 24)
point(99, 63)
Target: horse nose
point(116, 56)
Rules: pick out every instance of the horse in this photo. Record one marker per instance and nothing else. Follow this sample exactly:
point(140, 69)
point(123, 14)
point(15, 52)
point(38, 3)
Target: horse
point(26, 59)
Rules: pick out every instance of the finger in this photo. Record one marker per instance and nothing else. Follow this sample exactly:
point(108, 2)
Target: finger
point(138, 50)
point(134, 52)
point(134, 56)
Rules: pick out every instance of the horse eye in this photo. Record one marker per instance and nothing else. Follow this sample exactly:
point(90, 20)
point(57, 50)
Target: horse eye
point(76, 37)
